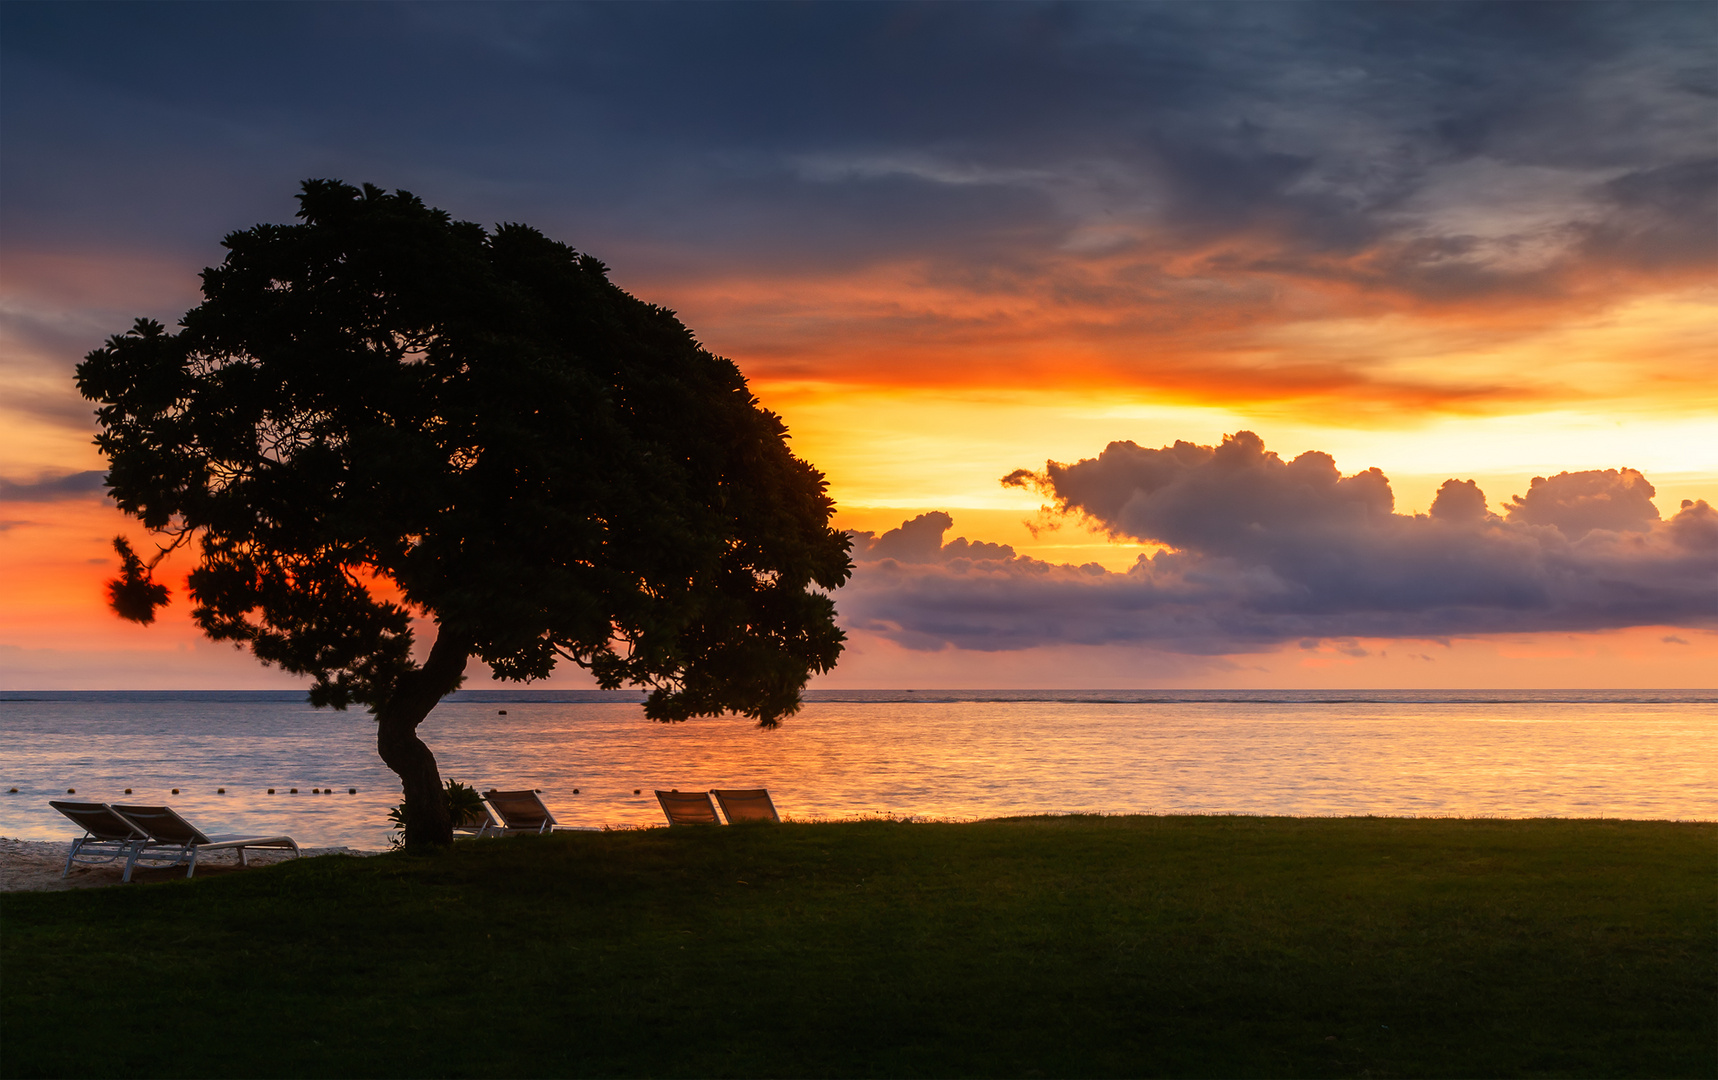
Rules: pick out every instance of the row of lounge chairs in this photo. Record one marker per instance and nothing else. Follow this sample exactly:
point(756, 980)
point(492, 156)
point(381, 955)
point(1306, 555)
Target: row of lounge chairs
point(513, 812)
point(738, 806)
point(156, 835)
point(153, 835)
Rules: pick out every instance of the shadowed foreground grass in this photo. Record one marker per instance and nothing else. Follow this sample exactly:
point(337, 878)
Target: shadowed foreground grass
point(1032, 947)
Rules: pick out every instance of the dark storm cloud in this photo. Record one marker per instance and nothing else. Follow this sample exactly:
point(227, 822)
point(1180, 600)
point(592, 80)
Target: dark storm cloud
point(829, 134)
point(1263, 551)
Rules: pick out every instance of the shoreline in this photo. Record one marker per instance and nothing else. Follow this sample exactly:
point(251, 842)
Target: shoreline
point(37, 865)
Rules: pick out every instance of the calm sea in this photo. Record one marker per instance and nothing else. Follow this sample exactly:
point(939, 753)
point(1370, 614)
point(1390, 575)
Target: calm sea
point(935, 754)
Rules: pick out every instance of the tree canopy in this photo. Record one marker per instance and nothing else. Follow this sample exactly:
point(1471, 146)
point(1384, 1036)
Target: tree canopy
point(379, 413)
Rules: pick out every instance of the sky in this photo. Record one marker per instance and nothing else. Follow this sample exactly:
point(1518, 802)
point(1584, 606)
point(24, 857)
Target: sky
point(1140, 343)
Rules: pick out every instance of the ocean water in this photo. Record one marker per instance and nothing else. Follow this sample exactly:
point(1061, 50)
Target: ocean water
point(931, 754)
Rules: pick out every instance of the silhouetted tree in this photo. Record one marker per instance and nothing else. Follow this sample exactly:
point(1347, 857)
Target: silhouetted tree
point(380, 412)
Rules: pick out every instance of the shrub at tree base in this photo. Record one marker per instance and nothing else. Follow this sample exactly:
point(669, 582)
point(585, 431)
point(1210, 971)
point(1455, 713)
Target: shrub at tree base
point(380, 413)
point(464, 808)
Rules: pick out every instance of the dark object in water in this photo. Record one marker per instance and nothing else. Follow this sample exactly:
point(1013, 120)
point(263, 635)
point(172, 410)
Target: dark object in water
point(351, 791)
point(127, 790)
point(71, 791)
point(292, 791)
point(271, 791)
point(575, 790)
point(501, 712)
point(220, 791)
point(635, 791)
point(175, 791)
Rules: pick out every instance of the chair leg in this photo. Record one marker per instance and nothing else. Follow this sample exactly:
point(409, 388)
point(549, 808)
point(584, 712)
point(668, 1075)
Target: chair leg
point(244, 860)
point(76, 844)
point(191, 870)
point(136, 850)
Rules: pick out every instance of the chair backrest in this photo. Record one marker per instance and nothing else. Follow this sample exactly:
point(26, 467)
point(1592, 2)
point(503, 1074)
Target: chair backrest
point(99, 820)
point(747, 804)
point(162, 824)
point(520, 809)
point(688, 807)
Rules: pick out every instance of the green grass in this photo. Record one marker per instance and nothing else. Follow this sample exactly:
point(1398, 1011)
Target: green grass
point(1034, 947)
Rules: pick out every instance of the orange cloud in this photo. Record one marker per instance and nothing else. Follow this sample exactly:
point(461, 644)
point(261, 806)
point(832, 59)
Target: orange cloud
point(1194, 331)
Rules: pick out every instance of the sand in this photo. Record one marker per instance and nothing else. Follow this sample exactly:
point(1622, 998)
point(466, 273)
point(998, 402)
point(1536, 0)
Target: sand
point(36, 866)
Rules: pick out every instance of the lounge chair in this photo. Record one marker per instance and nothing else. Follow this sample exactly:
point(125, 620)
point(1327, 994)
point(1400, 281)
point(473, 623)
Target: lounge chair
point(746, 804)
point(107, 836)
point(520, 812)
point(688, 807)
point(173, 838)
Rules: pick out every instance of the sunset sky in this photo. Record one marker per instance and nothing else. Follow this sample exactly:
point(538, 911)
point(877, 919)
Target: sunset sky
point(1186, 272)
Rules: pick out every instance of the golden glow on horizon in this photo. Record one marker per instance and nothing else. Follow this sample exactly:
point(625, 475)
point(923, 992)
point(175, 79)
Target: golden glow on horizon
point(1328, 357)
point(948, 451)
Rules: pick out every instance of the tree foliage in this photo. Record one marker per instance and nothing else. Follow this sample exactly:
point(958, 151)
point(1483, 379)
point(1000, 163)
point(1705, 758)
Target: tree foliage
point(380, 412)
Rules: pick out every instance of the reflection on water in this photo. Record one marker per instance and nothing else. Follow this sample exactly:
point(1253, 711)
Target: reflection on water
point(942, 759)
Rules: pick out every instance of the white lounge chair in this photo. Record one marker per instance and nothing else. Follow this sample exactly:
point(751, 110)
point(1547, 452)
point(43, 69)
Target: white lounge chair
point(107, 836)
point(520, 812)
point(688, 807)
point(746, 805)
point(175, 840)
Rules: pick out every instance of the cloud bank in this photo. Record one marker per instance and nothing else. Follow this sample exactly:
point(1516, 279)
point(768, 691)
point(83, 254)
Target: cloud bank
point(1258, 551)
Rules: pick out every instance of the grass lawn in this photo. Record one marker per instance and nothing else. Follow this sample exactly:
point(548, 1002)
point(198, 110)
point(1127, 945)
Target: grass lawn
point(1069, 946)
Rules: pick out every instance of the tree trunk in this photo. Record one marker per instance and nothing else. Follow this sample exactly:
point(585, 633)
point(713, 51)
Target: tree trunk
point(428, 824)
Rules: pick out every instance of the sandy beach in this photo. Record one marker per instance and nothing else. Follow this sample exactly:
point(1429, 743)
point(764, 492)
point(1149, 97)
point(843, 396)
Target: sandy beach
point(37, 866)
